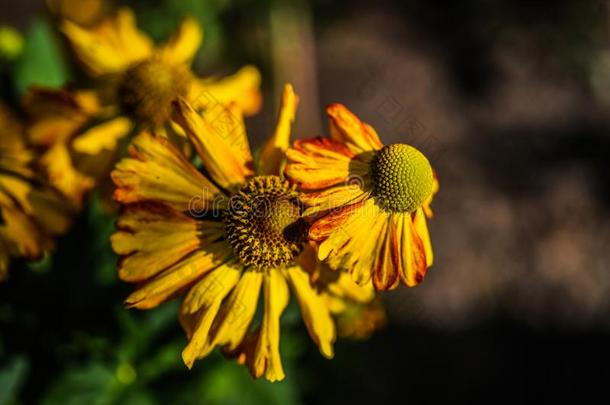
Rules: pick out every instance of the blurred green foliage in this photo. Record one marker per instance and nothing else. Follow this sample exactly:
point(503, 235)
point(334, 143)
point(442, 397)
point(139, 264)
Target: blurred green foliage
point(41, 61)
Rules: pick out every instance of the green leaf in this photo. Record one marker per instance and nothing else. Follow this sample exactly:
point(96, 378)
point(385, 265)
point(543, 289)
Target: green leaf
point(41, 62)
point(11, 378)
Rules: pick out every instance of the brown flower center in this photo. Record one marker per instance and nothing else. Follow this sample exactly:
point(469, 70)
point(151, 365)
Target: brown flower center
point(148, 88)
point(263, 223)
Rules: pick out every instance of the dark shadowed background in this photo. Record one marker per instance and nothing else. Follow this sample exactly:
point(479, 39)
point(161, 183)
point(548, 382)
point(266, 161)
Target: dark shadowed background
point(509, 99)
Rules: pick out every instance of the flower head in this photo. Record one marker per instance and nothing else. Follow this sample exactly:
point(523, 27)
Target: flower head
point(224, 239)
point(369, 202)
point(145, 79)
point(31, 212)
point(135, 83)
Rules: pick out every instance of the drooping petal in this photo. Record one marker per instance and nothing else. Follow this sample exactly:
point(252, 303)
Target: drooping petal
point(316, 314)
point(265, 359)
point(171, 281)
point(184, 44)
point(409, 250)
point(237, 312)
point(386, 264)
point(157, 172)
point(220, 140)
point(346, 127)
point(152, 237)
point(202, 294)
point(421, 228)
point(200, 308)
point(273, 152)
point(242, 89)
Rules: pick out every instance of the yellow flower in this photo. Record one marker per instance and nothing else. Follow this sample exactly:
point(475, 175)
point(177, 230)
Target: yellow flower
point(145, 79)
point(31, 213)
point(224, 239)
point(84, 131)
point(369, 201)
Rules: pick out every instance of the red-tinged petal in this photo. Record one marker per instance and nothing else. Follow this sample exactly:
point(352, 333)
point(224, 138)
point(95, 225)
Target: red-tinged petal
point(385, 271)
point(346, 127)
point(324, 226)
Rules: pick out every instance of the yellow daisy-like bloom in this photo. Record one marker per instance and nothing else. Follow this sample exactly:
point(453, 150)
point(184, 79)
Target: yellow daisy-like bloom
point(145, 79)
point(224, 239)
point(83, 131)
point(369, 201)
point(31, 213)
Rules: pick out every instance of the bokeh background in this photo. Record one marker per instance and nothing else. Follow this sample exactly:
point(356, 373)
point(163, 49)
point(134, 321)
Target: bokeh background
point(511, 102)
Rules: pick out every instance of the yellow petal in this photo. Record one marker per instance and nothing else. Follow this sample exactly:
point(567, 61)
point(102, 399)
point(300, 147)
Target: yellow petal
point(220, 141)
point(237, 312)
point(387, 262)
point(354, 244)
point(326, 225)
point(314, 311)
point(153, 237)
point(217, 283)
point(171, 281)
point(412, 266)
point(104, 136)
point(333, 198)
point(183, 45)
point(273, 152)
point(56, 114)
point(266, 359)
point(111, 46)
point(62, 174)
point(205, 298)
point(242, 89)
point(421, 228)
point(157, 172)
